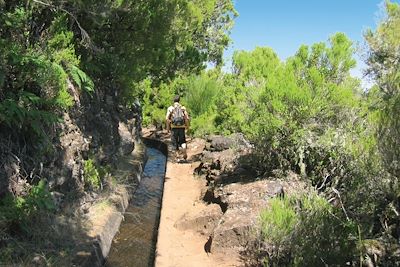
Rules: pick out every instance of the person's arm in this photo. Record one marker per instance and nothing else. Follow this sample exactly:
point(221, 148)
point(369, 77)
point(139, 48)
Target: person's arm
point(187, 120)
point(167, 120)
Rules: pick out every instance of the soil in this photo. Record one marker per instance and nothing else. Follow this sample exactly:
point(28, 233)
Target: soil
point(182, 196)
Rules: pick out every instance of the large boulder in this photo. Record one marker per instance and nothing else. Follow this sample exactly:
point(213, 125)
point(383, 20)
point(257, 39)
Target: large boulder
point(220, 143)
point(234, 230)
point(244, 203)
point(253, 194)
point(126, 139)
point(235, 141)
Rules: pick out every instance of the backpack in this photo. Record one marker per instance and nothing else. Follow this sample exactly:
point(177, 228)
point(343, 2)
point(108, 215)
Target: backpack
point(178, 116)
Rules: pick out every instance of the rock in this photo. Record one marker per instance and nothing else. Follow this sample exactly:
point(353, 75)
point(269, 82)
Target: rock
point(235, 141)
point(254, 194)
point(240, 141)
point(126, 139)
point(203, 222)
point(94, 128)
point(39, 260)
point(222, 160)
point(57, 198)
point(220, 143)
point(109, 100)
point(199, 170)
point(216, 165)
point(234, 229)
point(244, 203)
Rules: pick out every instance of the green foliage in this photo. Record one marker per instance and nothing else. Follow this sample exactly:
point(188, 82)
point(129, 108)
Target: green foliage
point(91, 174)
point(153, 39)
point(200, 94)
point(64, 99)
point(155, 101)
point(230, 107)
point(19, 212)
point(82, 80)
point(203, 125)
point(314, 119)
point(39, 198)
point(118, 44)
point(24, 113)
point(307, 231)
point(241, 93)
point(383, 61)
point(301, 102)
point(278, 221)
point(34, 81)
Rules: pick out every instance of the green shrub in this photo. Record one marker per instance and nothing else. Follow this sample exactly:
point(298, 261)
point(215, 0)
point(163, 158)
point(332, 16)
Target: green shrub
point(203, 125)
point(278, 221)
point(19, 212)
point(22, 112)
point(156, 100)
point(307, 231)
point(200, 94)
point(91, 174)
point(323, 236)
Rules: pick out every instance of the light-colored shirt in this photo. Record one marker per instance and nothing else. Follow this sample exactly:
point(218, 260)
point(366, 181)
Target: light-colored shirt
point(185, 113)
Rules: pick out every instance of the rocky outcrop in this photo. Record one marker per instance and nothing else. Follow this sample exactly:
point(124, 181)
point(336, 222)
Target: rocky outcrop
point(220, 143)
point(100, 131)
point(243, 202)
point(236, 190)
point(95, 129)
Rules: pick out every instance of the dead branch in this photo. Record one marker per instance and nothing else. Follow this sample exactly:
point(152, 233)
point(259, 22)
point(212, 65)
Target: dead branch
point(341, 203)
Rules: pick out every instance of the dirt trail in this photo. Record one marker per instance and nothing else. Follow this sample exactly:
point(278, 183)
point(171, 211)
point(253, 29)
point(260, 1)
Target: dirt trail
point(182, 194)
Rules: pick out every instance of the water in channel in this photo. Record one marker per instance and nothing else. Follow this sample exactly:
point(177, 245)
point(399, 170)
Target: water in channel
point(134, 245)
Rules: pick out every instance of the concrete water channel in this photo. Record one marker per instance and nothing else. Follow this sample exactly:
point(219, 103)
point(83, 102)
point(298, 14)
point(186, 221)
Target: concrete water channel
point(135, 243)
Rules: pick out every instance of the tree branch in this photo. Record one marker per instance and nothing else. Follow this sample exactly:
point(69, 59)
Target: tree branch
point(341, 203)
point(86, 40)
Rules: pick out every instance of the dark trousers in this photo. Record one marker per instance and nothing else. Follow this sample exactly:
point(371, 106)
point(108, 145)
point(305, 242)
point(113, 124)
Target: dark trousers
point(178, 137)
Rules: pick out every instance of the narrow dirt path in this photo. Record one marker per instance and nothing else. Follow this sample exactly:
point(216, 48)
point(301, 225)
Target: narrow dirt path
point(182, 194)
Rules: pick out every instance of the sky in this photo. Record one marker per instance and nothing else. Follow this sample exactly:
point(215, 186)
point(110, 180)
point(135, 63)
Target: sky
point(284, 25)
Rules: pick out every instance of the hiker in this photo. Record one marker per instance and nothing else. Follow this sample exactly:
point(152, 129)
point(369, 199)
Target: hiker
point(177, 119)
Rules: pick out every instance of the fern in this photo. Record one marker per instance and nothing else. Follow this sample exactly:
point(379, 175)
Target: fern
point(81, 79)
point(64, 99)
point(26, 111)
point(91, 174)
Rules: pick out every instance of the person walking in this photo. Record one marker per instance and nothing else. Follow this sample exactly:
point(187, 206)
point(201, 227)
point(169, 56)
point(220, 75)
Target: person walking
point(177, 120)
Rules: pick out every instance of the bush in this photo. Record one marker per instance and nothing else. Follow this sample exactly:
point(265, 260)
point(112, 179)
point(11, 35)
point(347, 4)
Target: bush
point(307, 231)
point(203, 125)
point(17, 213)
point(200, 94)
point(91, 174)
point(278, 221)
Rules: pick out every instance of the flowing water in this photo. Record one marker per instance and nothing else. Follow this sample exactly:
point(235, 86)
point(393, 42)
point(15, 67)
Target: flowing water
point(134, 245)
